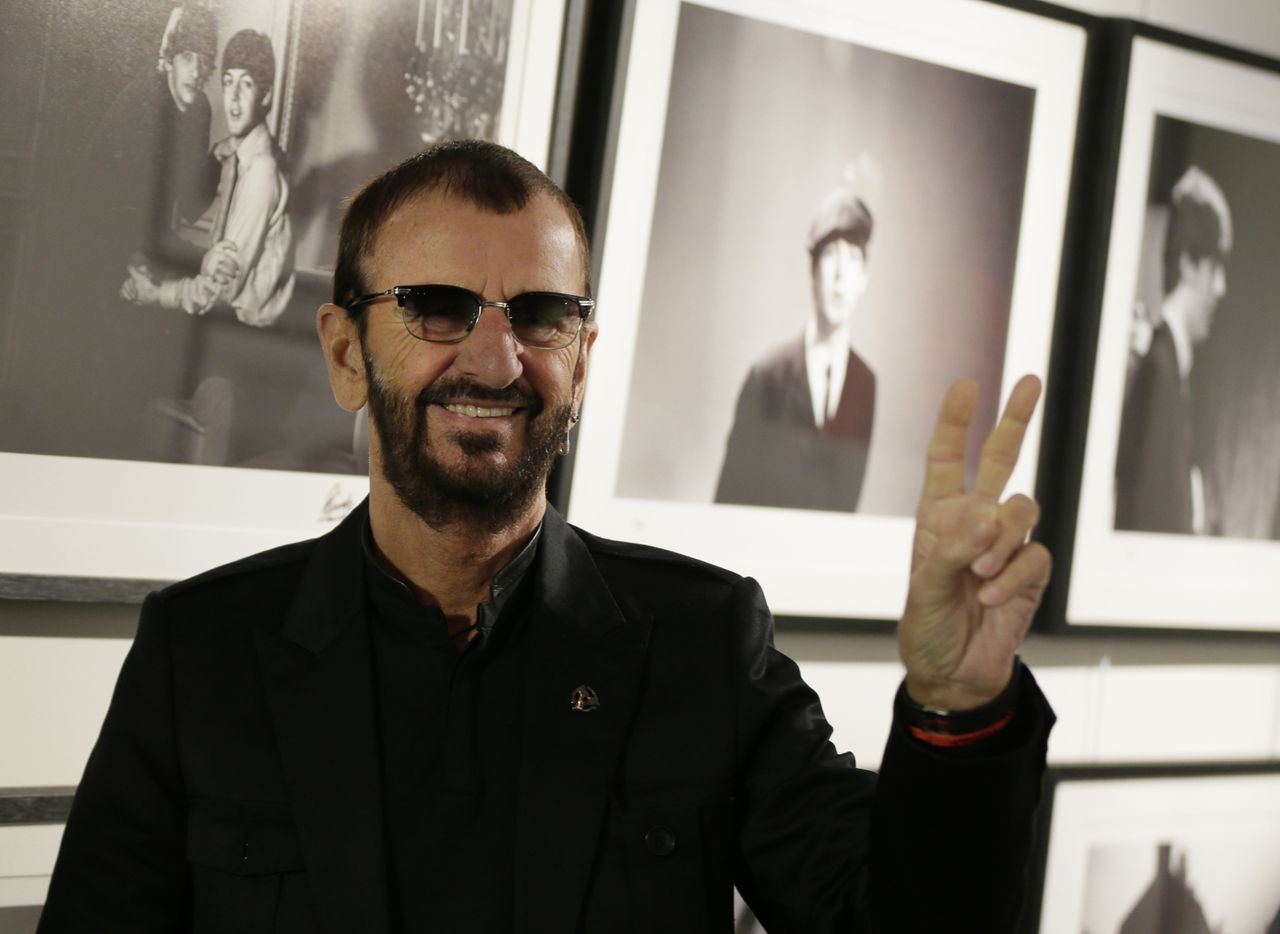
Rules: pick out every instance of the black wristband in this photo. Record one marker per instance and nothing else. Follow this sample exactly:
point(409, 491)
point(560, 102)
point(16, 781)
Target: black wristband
point(943, 728)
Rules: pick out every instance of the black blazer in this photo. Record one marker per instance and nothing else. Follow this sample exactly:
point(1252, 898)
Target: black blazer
point(776, 456)
point(235, 786)
point(1154, 453)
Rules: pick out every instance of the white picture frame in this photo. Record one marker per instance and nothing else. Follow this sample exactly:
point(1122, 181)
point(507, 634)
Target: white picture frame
point(27, 855)
point(812, 563)
point(1152, 579)
point(97, 528)
point(1106, 829)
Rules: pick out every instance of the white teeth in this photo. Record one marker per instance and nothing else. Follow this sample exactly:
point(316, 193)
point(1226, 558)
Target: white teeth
point(476, 412)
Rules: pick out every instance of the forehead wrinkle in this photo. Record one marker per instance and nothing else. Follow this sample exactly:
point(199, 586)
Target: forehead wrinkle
point(537, 244)
point(400, 233)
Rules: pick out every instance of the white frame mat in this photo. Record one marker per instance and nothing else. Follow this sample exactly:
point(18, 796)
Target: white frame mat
point(815, 563)
point(1144, 579)
point(1225, 826)
point(91, 528)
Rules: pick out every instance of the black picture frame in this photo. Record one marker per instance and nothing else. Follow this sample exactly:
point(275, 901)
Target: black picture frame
point(1144, 580)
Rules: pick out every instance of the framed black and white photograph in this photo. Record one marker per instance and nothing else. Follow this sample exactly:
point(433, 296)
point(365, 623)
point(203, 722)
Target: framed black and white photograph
point(1131, 851)
point(1178, 522)
point(166, 405)
point(820, 214)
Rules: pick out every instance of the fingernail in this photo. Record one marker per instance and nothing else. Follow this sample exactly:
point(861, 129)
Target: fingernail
point(989, 595)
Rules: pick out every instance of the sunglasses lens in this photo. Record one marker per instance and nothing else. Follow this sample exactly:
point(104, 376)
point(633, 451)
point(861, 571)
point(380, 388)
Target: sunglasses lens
point(544, 319)
point(447, 313)
point(438, 312)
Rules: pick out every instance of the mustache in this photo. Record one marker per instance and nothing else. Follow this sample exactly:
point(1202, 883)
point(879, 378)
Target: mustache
point(446, 390)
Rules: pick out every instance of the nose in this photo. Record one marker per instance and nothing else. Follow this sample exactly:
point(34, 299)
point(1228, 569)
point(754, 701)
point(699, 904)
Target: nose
point(490, 354)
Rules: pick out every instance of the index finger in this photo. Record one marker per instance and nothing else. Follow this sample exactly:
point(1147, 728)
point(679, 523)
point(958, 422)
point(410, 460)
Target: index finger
point(944, 468)
point(1000, 450)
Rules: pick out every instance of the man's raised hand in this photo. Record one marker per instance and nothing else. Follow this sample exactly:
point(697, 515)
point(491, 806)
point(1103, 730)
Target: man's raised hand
point(975, 579)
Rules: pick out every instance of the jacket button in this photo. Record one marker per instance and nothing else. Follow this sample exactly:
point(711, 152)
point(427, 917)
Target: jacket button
point(660, 841)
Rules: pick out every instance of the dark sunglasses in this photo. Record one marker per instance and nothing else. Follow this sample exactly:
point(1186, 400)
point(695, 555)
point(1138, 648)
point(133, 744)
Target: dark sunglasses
point(446, 314)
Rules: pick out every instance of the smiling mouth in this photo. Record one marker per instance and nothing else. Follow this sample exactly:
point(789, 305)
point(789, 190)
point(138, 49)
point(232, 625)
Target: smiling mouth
point(476, 411)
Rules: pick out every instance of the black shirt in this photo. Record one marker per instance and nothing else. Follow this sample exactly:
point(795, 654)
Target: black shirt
point(449, 724)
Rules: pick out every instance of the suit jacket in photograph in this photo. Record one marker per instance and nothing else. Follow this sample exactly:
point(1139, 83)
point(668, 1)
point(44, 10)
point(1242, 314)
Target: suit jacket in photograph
point(1155, 455)
point(236, 783)
point(776, 456)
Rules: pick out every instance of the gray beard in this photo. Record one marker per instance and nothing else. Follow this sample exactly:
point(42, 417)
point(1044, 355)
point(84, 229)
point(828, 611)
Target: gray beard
point(488, 499)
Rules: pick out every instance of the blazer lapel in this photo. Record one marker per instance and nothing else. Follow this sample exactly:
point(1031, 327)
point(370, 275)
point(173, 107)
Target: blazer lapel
point(585, 668)
point(318, 676)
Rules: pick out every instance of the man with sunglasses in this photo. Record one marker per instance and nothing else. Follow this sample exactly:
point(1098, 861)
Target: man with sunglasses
point(458, 713)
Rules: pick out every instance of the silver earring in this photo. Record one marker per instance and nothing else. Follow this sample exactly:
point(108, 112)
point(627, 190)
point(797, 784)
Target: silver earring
point(565, 444)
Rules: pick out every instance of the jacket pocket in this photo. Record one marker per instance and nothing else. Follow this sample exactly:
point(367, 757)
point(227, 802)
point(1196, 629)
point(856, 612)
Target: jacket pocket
point(241, 854)
point(661, 849)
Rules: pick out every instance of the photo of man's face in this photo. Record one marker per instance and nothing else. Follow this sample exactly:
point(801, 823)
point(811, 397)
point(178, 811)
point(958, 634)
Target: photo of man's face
point(840, 275)
point(1207, 280)
point(186, 76)
point(244, 102)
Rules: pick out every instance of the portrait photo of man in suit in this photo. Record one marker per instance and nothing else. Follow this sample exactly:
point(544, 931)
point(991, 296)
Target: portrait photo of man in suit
point(803, 421)
point(1159, 481)
point(456, 712)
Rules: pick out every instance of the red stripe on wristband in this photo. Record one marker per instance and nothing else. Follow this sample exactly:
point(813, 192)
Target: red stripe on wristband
point(951, 740)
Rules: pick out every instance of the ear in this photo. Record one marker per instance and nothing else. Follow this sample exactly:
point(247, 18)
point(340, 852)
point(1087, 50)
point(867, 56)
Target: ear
point(588, 338)
point(340, 341)
point(1185, 266)
point(266, 99)
point(1190, 270)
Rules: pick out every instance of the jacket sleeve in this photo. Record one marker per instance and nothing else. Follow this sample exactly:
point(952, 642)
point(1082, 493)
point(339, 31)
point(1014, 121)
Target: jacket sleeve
point(122, 866)
point(952, 830)
point(1153, 486)
point(259, 226)
point(937, 842)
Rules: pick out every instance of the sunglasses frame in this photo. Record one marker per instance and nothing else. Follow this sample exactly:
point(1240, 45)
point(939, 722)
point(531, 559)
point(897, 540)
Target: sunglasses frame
point(400, 292)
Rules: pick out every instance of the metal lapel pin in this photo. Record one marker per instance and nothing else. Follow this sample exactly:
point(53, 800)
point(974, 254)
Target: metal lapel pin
point(584, 698)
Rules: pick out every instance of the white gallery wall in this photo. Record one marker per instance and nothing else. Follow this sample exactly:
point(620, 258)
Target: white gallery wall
point(1119, 698)
point(1248, 24)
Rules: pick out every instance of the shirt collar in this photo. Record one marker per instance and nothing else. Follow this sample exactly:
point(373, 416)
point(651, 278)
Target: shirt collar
point(389, 590)
point(1181, 340)
point(818, 356)
point(255, 143)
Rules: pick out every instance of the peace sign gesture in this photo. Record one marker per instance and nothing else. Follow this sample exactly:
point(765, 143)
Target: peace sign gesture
point(975, 580)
